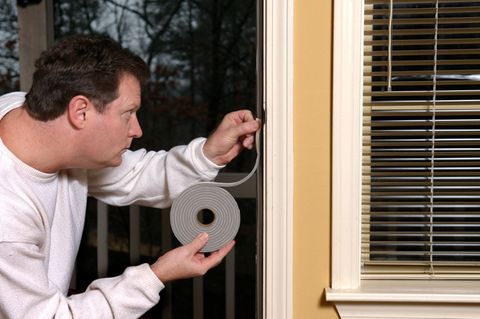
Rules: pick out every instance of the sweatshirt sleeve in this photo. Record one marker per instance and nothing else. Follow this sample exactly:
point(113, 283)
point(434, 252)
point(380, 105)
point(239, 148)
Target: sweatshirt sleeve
point(152, 178)
point(27, 292)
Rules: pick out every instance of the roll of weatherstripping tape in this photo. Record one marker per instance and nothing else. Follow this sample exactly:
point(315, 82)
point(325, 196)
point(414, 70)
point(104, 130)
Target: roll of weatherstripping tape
point(205, 208)
point(208, 207)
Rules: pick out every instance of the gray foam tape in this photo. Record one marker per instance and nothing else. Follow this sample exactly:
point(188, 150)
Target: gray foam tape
point(208, 196)
point(185, 209)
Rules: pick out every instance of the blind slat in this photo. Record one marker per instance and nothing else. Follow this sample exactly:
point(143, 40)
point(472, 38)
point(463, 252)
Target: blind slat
point(425, 52)
point(427, 31)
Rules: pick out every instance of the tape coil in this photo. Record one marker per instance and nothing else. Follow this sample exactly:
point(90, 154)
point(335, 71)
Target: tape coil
point(212, 197)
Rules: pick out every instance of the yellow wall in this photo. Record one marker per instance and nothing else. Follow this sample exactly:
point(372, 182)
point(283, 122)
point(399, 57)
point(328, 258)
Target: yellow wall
point(312, 157)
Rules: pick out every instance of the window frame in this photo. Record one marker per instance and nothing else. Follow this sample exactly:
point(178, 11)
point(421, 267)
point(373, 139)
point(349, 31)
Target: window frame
point(354, 297)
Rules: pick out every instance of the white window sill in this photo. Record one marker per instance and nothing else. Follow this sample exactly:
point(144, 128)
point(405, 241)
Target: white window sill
point(408, 299)
point(410, 291)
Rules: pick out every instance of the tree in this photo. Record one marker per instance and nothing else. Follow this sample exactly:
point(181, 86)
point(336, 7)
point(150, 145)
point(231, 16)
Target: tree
point(9, 56)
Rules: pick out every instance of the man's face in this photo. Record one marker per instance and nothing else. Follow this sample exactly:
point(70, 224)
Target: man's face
point(117, 126)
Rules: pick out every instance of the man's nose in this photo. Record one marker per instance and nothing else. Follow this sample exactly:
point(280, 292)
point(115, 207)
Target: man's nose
point(135, 129)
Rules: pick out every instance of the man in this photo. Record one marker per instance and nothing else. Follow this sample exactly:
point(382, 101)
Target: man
point(69, 138)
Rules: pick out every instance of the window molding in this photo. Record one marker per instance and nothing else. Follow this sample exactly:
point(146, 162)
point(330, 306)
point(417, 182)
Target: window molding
point(346, 163)
point(352, 297)
point(278, 159)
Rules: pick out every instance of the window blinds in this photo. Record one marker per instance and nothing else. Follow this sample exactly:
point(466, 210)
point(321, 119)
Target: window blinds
point(421, 139)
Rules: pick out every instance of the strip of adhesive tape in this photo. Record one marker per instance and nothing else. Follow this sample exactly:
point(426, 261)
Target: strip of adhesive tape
point(208, 199)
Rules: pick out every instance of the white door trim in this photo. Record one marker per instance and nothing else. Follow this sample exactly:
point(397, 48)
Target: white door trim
point(278, 166)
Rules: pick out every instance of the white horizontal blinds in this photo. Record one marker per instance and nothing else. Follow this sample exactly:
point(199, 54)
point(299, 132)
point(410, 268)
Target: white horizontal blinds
point(421, 139)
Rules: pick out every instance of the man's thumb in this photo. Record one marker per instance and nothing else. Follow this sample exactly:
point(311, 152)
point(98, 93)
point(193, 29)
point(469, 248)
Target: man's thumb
point(199, 242)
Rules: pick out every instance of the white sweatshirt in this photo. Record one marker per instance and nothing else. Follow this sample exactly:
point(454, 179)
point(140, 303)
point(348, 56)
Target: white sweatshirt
point(42, 218)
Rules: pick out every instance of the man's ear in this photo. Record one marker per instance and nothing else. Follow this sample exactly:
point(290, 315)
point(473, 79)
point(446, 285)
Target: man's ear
point(78, 108)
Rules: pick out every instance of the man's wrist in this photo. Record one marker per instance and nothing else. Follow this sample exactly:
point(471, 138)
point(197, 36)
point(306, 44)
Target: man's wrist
point(214, 161)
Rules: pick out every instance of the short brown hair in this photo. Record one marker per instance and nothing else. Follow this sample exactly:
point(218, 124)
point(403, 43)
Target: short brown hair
point(88, 65)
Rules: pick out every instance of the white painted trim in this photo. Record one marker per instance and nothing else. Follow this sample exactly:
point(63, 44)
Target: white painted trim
point(278, 165)
point(407, 311)
point(346, 164)
point(354, 298)
point(410, 291)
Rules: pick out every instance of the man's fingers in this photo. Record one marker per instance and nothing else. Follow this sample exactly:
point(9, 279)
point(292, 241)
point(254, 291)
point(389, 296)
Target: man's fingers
point(248, 141)
point(216, 257)
point(246, 128)
point(199, 242)
point(242, 116)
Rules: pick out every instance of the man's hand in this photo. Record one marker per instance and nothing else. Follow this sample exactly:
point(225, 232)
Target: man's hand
point(186, 261)
point(235, 132)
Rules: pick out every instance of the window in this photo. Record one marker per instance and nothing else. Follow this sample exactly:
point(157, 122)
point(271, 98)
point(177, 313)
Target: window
point(421, 134)
point(413, 178)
